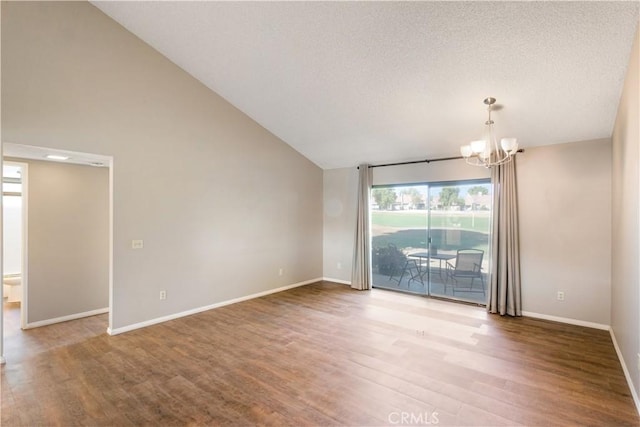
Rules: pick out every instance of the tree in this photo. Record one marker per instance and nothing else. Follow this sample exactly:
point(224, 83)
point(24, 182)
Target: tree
point(384, 197)
point(414, 195)
point(478, 189)
point(449, 196)
point(416, 198)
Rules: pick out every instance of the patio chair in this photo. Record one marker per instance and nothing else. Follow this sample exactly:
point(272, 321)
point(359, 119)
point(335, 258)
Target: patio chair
point(413, 270)
point(467, 268)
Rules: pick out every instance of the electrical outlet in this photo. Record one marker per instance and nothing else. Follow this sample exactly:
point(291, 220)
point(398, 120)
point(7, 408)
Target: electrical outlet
point(560, 296)
point(137, 244)
point(163, 295)
point(339, 265)
point(280, 271)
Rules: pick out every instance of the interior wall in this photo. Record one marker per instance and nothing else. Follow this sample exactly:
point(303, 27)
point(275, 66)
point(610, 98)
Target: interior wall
point(340, 203)
point(564, 201)
point(625, 254)
point(564, 190)
point(340, 209)
point(222, 205)
point(450, 170)
point(67, 239)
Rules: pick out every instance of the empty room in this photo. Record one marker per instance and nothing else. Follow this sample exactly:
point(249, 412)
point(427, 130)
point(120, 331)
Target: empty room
point(320, 213)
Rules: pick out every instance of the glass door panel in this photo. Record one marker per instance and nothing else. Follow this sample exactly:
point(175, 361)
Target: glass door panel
point(460, 222)
point(399, 236)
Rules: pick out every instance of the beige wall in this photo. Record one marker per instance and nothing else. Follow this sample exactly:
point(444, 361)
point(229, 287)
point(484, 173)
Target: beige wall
point(220, 203)
point(452, 170)
point(564, 200)
point(625, 255)
point(68, 239)
point(564, 190)
point(340, 207)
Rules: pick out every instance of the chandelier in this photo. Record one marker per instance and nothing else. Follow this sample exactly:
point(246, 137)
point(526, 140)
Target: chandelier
point(486, 151)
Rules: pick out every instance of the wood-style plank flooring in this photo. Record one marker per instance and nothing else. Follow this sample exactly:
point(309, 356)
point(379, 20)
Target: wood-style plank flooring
point(321, 354)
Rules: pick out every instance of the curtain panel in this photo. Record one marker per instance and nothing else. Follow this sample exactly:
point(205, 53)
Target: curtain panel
point(505, 289)
point(361, 272)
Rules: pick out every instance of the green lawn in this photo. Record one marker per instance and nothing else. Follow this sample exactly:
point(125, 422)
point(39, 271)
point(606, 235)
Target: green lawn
point(466, 220)
point(449, 232)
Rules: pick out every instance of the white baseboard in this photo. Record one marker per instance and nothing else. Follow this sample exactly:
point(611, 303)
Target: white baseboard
point(342, 282)
point(162, 319)
point(567, 320)
point(66, 318)
point(627, 375)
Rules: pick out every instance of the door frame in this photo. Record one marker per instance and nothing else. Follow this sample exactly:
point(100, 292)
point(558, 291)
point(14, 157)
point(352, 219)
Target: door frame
point(427, 275)
point(22, 151)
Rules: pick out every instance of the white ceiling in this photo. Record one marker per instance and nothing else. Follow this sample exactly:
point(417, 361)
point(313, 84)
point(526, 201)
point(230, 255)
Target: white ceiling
point(351, 82)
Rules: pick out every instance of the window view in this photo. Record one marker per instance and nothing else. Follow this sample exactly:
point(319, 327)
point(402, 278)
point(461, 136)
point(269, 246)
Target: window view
point(432, 239)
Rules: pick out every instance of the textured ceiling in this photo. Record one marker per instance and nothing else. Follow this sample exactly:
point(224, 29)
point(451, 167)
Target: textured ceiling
point(351, 82)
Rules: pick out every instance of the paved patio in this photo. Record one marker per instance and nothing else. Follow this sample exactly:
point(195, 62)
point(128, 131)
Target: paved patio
point(438, 288)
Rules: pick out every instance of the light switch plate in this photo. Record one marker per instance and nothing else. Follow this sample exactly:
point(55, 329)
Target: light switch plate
point(137, 244)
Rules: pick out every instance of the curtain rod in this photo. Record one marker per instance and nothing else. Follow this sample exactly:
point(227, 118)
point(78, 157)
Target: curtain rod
point(442, 159)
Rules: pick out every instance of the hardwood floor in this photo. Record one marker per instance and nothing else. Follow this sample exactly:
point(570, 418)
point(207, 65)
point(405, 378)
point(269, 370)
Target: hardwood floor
point(318, 355)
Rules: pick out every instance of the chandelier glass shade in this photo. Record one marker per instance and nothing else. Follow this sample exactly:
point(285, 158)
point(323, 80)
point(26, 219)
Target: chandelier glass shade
point(486, 151)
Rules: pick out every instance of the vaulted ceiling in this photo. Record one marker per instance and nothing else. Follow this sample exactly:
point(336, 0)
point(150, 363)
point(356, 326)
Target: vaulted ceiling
point(351, 82)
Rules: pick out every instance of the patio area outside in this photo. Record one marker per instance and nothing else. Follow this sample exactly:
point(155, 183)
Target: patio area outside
point(417, 277)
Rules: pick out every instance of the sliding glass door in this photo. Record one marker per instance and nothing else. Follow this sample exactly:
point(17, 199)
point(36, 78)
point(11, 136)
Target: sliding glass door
point(460, 223)
point(399, 229)
point(432, 239)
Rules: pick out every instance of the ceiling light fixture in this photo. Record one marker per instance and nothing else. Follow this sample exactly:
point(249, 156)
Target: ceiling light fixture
point(486, 151)
point(56, 157)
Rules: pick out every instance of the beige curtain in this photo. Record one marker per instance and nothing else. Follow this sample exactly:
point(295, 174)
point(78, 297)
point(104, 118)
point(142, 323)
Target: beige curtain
point(361, 273)
point(504, 292)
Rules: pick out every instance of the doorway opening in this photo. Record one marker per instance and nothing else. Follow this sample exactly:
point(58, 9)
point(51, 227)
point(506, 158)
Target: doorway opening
point(14, 213)
point(66, 239)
